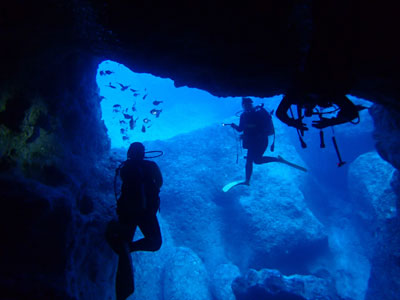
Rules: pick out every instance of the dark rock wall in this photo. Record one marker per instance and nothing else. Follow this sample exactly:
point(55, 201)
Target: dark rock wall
point(386, 258)
point(52, 139)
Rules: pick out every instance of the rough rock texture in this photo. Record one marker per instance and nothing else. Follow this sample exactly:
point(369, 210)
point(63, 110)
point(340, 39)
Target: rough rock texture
point(271, 284)
point(52, 142)
point(387, 133)
point(281, 227)
point(51, 251)
point(370, 180)
point(386, 260)
point(386, 256)
point(221, 281)
point(265, 225)
point(186, 277)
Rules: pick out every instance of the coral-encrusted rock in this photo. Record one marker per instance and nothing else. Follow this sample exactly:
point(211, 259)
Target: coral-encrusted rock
point(272, 285)
point(222, 281)
point(186, 277)
point(370, 186)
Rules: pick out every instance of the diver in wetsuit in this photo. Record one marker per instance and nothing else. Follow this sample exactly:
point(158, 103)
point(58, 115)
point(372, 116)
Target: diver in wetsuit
point(139, 200)
point(136, 207)
point(253, 124)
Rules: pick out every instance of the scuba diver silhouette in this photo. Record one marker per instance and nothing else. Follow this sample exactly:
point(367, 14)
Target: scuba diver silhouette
point(309, 103)
point(137, 206)
point(256, 125)
point(347, 111)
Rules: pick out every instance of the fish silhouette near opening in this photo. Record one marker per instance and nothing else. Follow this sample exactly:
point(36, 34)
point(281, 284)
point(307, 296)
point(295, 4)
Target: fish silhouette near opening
point(156, 112)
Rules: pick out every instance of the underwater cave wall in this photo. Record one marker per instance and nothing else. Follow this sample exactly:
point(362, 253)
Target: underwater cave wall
point(386, 257)
point(52, 141)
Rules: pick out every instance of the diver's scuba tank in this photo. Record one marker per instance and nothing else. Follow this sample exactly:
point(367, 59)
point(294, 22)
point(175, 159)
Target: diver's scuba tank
point(117, 193)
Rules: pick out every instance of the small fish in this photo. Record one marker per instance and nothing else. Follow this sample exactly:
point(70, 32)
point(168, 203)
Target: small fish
point(132, 123)
point(125, 138)
point(157, 102)
point(133, 90)
point(102, 73)
point(136, 94)
point(144, 97)
point(126, 116)
point(108, 72)
point(143, 128)
point(123, 87)
point(122, 130)
point(121, 122)
point(156, 112)
point(146, 120)
point(116, 108)
point(102, 97)
point(133, 108)
point(111, 86)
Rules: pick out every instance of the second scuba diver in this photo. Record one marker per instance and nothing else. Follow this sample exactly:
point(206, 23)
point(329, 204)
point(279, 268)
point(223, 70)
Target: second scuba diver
point(256, 128)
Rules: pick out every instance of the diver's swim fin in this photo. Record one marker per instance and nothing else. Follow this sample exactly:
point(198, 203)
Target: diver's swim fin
point(124, 280)
point(291, 164)
point(227, 187)
point(116, 237)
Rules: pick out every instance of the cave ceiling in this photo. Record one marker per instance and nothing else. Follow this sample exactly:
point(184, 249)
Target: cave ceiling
point(257, 48)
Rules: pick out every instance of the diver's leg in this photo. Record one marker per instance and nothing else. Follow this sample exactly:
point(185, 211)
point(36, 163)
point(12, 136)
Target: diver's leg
point(124, 280)
point(152, 235)
point(249, 165)
point(259, 151)
point(266, 159)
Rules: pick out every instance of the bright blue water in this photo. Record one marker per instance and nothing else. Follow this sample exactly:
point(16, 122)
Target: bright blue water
point(128, 115)
point(141, 107)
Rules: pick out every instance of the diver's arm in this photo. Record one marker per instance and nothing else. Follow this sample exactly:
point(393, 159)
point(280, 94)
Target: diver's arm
point(236, 127)
point(282, 114)
point(240, 127)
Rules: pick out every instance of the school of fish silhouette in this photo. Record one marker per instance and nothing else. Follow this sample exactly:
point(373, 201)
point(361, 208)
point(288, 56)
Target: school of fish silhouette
point(127, 119)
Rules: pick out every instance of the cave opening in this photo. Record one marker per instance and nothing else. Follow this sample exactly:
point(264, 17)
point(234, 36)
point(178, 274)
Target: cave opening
point(186, 123)
point(143, 107)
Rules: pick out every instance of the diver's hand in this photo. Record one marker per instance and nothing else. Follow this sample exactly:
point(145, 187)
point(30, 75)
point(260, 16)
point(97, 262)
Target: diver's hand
point(297, 124)
point(324, 122)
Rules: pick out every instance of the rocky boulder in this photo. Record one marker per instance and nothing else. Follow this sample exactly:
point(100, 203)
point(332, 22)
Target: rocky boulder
point(370, 187)
point(222, 280)
point(271, 284)
point(186, 277)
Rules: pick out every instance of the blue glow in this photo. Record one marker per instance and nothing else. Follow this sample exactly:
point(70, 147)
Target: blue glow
point(142, 107)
